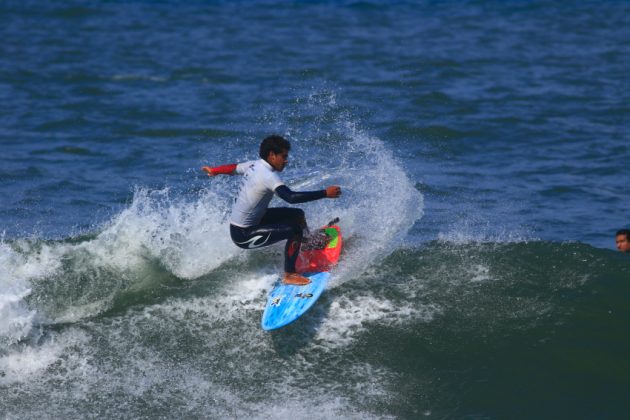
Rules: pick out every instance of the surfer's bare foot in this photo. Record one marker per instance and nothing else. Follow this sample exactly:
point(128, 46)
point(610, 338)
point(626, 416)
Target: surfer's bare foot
point(295, 279)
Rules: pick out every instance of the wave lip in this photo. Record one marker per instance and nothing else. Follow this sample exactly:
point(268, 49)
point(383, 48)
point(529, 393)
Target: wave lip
point(156, 239)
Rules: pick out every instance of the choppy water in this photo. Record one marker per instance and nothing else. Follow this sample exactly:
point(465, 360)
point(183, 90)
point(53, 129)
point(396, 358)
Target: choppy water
point(482, 148)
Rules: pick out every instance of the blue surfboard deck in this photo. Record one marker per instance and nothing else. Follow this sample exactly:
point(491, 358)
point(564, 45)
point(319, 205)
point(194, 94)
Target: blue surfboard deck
point(287, 302)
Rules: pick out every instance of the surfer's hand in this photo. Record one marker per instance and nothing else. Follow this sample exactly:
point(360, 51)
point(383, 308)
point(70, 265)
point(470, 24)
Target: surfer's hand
point(333, 191)
point(208, 170)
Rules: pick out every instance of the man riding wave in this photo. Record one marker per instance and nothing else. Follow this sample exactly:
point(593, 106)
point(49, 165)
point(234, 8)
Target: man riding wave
point(252, 223)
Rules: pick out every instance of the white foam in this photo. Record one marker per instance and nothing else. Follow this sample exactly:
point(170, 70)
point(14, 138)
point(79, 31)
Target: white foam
point(17, 270)
point(379, 202)
point(479, 273)
point(230, 303)
point(183, 351)
point(238, 307)
point(350, 315)
point(386, 206)
point(24, 363)
point(15, 319)
point(188, 238)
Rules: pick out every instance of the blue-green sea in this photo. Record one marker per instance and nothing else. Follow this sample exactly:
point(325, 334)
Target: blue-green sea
point(483, 151)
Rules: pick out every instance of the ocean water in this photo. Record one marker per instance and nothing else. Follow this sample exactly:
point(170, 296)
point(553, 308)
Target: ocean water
point(482, 147)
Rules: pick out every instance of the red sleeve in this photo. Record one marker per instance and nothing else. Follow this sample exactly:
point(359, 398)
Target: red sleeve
point(224, 169)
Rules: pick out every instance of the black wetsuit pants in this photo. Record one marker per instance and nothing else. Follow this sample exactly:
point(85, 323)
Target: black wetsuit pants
point(280, 223)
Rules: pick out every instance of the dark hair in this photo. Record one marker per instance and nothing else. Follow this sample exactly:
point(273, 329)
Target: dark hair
point(273, 143)
point(623, 232)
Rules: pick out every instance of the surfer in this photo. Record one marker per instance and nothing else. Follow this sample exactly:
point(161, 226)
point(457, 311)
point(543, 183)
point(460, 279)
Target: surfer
point(252, 223)
point(622, 239)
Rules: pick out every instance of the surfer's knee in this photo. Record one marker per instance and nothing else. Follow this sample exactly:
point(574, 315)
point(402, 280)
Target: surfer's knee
point(300, 218)
point(297, 231)
point(303, 221)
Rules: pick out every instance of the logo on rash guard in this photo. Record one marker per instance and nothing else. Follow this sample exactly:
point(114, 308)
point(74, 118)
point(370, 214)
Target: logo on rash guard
point(251, 243)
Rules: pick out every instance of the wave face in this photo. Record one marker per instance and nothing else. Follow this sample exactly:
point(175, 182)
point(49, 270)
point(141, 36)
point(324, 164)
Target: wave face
point(509, 322)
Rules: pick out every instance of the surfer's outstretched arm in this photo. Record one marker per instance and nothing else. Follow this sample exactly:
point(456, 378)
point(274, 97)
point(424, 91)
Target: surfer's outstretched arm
point(230, 169)
point(295, 197)
point(220, 170)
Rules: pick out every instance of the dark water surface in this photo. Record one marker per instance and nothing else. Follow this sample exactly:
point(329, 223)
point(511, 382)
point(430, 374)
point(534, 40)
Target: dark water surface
point(483, 150)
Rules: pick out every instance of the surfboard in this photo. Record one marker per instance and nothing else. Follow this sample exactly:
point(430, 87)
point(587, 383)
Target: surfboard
point(287, 302)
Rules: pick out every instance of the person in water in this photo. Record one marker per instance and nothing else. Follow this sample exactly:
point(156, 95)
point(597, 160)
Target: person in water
point(252, 223)
point(622, 239)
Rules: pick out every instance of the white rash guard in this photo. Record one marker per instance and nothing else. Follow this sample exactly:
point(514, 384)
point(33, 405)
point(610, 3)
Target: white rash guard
point(260, 181)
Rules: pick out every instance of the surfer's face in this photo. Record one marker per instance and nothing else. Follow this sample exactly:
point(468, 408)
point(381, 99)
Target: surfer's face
point(623, 244)
point(278, 160)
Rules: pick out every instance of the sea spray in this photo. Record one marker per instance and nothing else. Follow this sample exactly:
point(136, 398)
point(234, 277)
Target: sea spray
point(189, 236)
point(379, 203)
point(154, 239)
